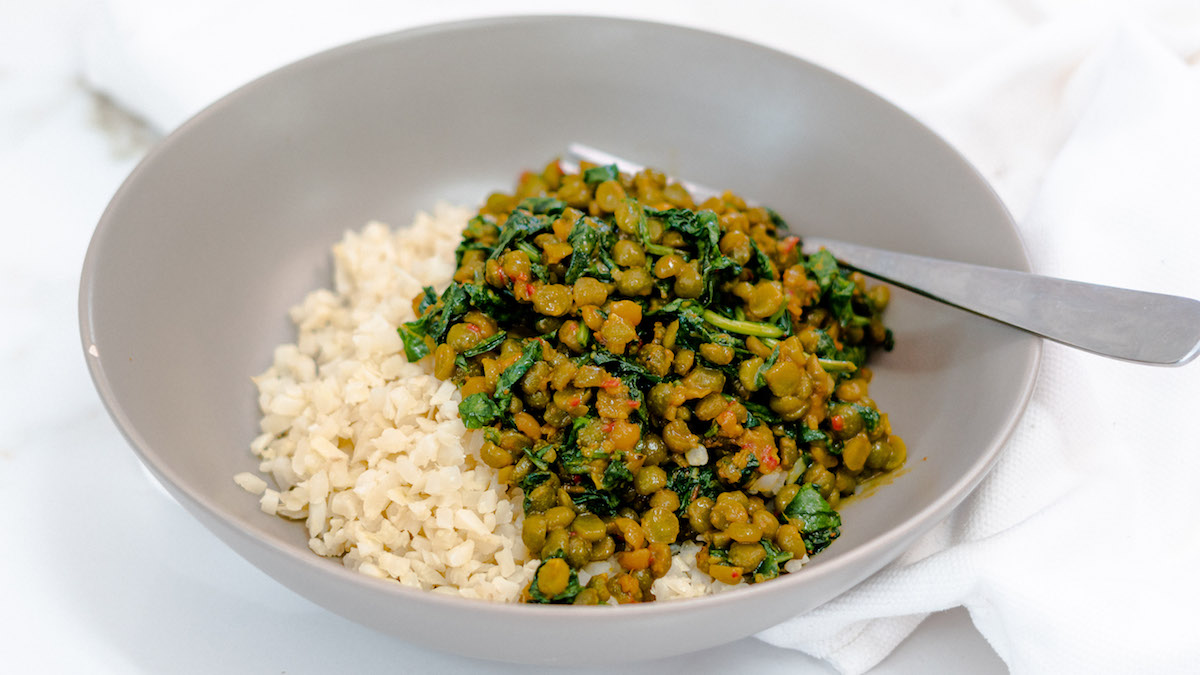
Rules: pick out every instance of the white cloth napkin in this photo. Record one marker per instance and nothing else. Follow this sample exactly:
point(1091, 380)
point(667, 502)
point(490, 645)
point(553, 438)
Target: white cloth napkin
point(1080, 553)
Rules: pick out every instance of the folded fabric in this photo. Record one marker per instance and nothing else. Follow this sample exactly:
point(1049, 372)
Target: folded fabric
point(1066, 557)
point(1078, 553)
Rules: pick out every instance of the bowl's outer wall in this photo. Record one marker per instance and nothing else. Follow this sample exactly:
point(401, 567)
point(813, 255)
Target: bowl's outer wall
point(229, 222)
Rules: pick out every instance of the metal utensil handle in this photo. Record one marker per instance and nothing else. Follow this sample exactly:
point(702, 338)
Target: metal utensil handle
point(1131, 325)
point(1136, 326)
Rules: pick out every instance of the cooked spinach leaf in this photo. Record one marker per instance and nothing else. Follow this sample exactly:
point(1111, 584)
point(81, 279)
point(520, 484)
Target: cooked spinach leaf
point(692, 482)
point(759, 414)
point(599, 502)
point(531, 481)
point(537, 455)
point(824, 268)
point(498, 304)
point(573, 461)
point(415, 348)
point(748, 470)
point(513, 373)
point(870, 416)
point(428, 298)
point(486, 345)
point(841, 297)
point(599, 174)
point(703, 230)
point(623, 365)
point(761, 262)
point(434, 322)
point(760, 377)
point(616, 475)
point(548, 206)
point(814, 436)
point(478, 411)
point(583, 240)
point(818, 522)
point(520, 225)
point(565, 596)
point(769, 567)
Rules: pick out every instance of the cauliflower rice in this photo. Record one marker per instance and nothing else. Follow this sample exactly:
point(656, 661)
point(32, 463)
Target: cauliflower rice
point(368, 449)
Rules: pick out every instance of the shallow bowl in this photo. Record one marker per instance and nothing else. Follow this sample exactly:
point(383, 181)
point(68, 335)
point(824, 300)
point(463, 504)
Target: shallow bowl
point(229, 222)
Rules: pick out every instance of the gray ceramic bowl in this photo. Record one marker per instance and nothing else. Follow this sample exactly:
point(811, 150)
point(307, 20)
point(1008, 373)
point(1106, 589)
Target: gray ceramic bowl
point(228, 222)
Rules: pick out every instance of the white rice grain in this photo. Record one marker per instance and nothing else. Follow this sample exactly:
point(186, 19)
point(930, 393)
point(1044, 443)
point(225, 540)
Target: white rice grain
point(250, 483)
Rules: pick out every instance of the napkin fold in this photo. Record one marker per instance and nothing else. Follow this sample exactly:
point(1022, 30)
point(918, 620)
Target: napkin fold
point(1067, 557)
point(1079, 551)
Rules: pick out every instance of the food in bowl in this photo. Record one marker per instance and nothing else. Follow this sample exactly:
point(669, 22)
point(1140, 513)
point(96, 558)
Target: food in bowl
point(664, 399)
point(197, 260)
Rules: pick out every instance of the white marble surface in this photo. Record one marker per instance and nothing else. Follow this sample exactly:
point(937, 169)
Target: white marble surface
point(101, 572)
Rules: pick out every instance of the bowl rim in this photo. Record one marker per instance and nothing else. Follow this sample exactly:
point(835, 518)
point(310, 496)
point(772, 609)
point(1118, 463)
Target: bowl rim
point(925, 519)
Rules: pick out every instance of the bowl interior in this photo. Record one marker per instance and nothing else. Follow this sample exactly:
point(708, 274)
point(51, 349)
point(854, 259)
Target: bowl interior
point(229, 223)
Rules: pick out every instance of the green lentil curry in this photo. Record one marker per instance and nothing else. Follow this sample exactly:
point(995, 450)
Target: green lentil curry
point(650, 371)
